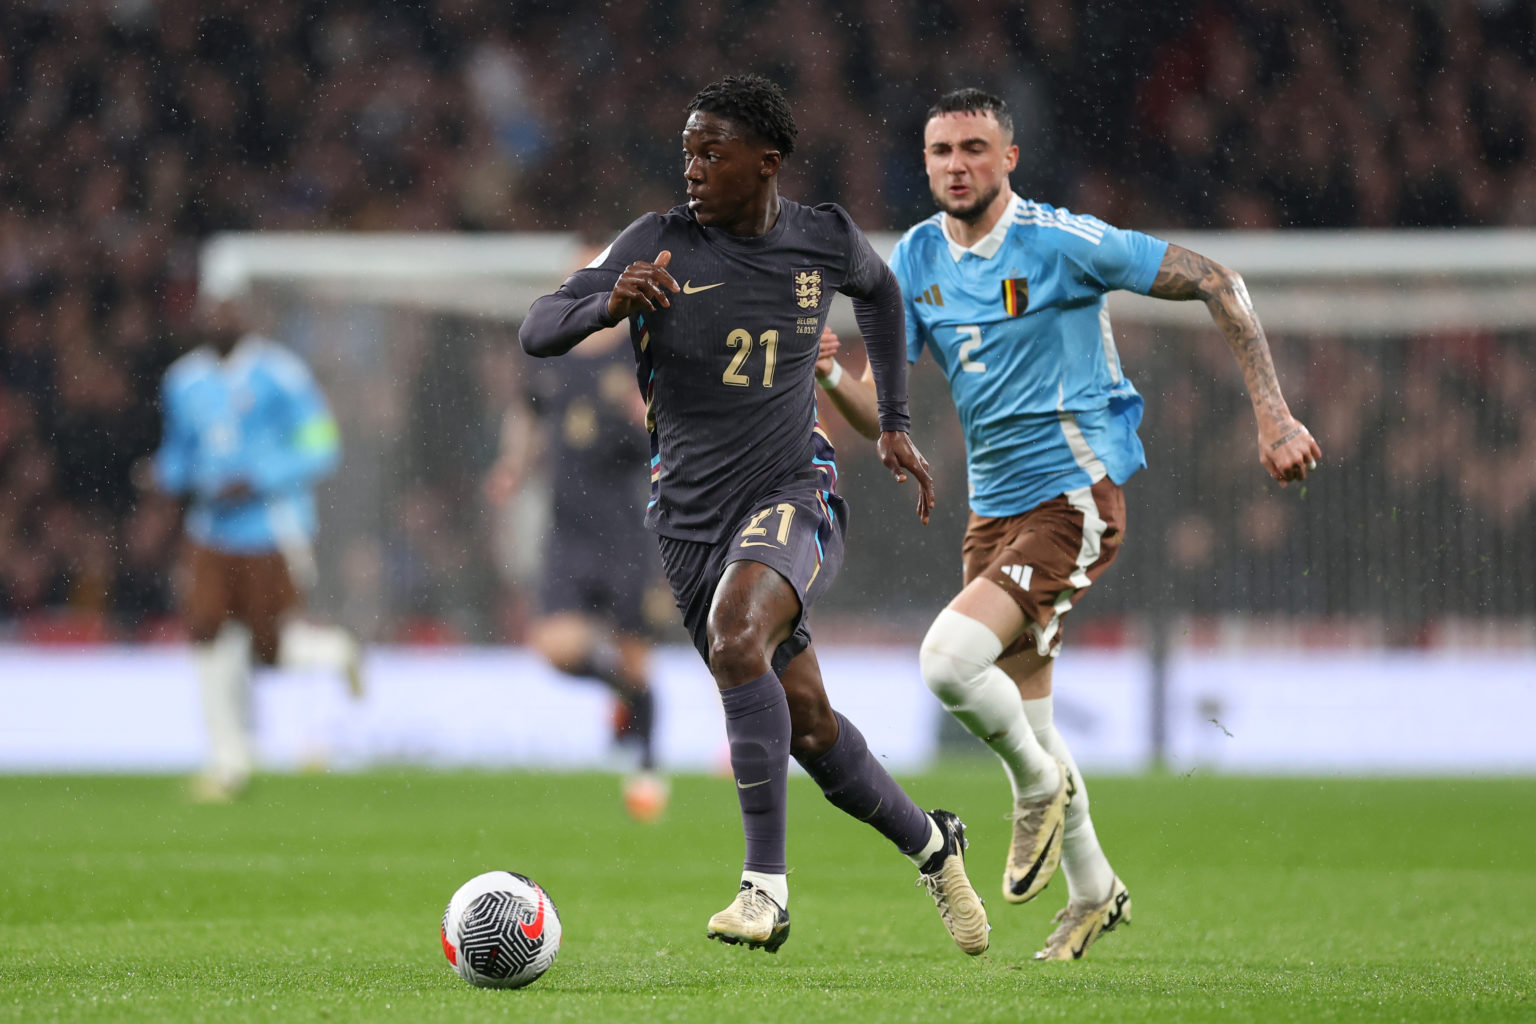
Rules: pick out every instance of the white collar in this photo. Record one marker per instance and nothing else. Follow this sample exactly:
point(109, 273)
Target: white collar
point(986, 247)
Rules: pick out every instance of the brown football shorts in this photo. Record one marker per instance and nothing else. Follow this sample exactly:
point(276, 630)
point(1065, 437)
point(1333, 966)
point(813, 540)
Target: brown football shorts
point(1045, 558)
point(256, 590)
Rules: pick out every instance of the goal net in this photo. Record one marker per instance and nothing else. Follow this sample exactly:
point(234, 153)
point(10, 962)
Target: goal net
point(1410, 355)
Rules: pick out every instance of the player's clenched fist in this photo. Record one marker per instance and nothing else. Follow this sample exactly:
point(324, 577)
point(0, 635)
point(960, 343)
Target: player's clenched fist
point(642, 288)
point(1288, 451)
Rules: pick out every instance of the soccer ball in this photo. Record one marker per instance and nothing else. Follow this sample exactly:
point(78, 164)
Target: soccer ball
point(501, 930)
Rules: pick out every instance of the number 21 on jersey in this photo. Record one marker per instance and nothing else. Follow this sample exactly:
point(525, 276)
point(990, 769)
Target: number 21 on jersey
point(741, 341)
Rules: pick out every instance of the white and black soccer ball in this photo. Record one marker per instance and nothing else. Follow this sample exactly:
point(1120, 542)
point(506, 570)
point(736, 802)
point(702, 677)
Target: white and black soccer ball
point(501, 930)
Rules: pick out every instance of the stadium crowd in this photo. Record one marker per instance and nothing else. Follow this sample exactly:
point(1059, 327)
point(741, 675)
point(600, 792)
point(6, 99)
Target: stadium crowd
point(131, 130)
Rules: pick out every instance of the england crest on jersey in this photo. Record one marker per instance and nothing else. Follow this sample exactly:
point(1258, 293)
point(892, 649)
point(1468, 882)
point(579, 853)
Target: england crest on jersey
point(808, 288)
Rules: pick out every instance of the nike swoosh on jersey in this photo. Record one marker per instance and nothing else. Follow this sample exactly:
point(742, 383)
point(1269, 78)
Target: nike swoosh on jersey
point(534, 930)
point(750, 785)
point(689, 289)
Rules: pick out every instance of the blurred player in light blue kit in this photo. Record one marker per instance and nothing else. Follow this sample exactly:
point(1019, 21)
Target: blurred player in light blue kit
point(1008, 296)
point(247, 434)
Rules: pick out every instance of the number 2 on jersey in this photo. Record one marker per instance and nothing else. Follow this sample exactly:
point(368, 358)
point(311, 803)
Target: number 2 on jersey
point(741, 341)
point(972, 334)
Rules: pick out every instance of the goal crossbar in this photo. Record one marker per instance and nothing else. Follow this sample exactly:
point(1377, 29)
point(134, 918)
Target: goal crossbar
point(1343, 282)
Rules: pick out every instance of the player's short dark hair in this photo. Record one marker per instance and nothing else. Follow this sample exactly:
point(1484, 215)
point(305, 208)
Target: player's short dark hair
point(753, 103)
point(974, 101)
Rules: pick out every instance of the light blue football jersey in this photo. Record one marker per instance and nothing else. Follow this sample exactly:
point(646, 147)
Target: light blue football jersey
point(1019, 326)
point(256, 416)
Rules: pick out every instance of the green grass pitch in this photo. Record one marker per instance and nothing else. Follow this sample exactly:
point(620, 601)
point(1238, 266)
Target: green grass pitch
point(318, 899)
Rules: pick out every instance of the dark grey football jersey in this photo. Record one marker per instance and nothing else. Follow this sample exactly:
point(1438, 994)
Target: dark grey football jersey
point(727, 370)
point(594, 447)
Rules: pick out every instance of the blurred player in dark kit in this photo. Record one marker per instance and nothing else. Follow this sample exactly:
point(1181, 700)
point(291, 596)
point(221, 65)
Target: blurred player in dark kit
point(247, 434)
point(1008, 295)
point(726, 298)
point(587, 425)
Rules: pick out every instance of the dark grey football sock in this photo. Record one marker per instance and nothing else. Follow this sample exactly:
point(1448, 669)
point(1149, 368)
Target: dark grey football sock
point(642, 725)
point(858, 785)
point(757, 725)
point(604, 664)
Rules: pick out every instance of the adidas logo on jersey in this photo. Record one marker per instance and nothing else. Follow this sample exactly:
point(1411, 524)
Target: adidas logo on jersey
point(1020, 574)
point(932, 297)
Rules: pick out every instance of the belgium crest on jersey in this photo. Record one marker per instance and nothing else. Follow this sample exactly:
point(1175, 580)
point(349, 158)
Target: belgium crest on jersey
point(1015, 295)
point(808, 288)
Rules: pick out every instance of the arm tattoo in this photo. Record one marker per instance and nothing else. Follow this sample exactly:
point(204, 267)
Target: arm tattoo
point(1183, 275)
point(1188, 275)
point(1286, 438)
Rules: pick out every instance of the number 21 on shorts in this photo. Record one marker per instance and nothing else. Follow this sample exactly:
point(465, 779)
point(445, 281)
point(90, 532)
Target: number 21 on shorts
point(756, 527)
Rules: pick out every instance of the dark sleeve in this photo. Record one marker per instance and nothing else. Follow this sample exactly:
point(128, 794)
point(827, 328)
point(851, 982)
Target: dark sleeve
point(882, 321)
point(883, 325)
point(558, 321)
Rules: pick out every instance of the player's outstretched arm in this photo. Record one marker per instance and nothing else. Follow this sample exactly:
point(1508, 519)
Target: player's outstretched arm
point(853, 397)
point(1286, 448)
point(557, 322)
point(879, 315)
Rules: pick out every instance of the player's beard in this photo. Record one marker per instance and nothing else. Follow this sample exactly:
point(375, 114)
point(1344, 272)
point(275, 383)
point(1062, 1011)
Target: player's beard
point(969, 214)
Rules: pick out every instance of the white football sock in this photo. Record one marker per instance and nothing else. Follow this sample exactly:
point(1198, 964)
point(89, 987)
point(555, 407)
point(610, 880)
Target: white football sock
point(934, 844)
point(1089, 876)
point(223, 676)
point(959, 664)
point(307, 645)
point(776, 886)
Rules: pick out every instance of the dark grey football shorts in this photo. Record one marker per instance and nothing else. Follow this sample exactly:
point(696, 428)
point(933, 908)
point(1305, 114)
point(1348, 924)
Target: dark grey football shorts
point(590, 572)
point(797, 531)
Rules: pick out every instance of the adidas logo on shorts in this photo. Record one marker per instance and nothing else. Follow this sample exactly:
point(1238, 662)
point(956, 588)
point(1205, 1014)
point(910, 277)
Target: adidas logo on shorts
point(1020, 574)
